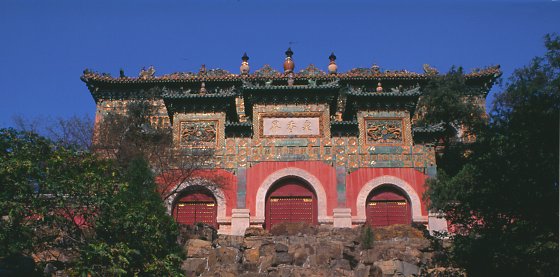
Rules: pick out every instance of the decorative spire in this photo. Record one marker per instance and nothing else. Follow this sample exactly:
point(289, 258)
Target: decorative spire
point(244, 69)
point(375, 69)
point(332, 64)
point(288, 62)
point(379, 87)
point(202, 70)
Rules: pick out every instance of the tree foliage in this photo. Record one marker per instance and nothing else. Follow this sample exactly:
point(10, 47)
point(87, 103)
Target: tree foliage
point(61, 203)
point(135, 235)
point(131, 135)
point(504, 201)
point(458, 107)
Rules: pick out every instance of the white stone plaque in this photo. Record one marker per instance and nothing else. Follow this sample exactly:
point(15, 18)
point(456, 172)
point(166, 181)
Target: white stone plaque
point(291, 126)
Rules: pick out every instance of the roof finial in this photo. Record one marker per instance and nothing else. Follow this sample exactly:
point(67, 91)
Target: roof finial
point(375, 68)
point(202, 70)
point(332, 64)
point(244, 64)
point(288, 62)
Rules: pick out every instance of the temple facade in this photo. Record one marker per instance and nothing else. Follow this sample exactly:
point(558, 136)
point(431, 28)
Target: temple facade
point(314, 146)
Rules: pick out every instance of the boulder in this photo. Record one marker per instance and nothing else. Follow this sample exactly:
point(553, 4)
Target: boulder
point(227, 255)
point(251, 256)
point(300, 256)
point(341, 264)
point(255, 242)
point(398, 267)
point(280, 247)
point(256, 232)
point(267, 249)
point(406, 269)
point(327, 251)
point(375, 271)
point(197, 248)
point(282, 258)
point(230, 241)
point(194, 266)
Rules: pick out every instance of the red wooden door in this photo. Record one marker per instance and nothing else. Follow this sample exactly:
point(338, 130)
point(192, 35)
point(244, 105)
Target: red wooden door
point(291, 201)
point(195, 208)
point(387, 207)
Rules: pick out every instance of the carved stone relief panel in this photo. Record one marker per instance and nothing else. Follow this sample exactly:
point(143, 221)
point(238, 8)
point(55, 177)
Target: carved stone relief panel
point(198, 133)
point(383, 131)
point(199, 130)
point(384, 128)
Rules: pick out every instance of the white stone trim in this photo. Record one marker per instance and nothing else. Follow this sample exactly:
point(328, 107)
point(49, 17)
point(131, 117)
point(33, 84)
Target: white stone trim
point(390, 180)
point(218, 194)
point(291, 172)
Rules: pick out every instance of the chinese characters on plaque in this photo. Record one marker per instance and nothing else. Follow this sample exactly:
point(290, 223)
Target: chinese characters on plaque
point(291, 126)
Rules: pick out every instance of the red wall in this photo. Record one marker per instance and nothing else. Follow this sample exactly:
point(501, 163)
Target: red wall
point(325, 173)
point(357, 179)
point(227, 181)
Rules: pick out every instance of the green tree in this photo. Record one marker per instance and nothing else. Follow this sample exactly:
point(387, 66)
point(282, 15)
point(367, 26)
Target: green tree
point(57, 202)
point(48, 194)
point(131, 135)
point(134, 235)
point(449, 101)
point(504, 201)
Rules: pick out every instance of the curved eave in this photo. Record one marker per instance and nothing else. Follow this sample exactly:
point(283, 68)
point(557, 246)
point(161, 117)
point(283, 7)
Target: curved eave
point(367, 94)
point(199, 96)
point(292, 88)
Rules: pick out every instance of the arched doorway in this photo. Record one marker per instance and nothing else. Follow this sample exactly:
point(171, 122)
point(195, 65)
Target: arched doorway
point(387, 205)
point(195, 204)
point(290, 200)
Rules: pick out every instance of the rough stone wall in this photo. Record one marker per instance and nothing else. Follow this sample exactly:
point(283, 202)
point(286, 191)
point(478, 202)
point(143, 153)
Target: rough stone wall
point(313, 251)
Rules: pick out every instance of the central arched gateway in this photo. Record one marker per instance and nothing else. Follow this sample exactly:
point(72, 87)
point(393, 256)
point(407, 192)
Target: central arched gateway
point(290, 200)
point(195, 204)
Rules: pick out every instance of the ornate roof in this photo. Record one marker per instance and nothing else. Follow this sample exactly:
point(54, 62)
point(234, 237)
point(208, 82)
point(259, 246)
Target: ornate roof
point(216, 93)
point(267, 73)
point(311, 84)
point(367, 93)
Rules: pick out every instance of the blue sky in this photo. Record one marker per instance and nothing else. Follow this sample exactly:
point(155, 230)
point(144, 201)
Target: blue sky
point(45, 45)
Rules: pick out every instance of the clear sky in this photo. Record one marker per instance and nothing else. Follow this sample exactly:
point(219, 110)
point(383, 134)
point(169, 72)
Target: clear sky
point(45, 45)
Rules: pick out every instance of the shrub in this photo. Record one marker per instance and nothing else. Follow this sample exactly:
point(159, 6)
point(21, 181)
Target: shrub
point(367, 237)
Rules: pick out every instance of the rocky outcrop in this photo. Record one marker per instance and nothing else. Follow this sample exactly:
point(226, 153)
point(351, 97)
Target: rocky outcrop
point(319, 251)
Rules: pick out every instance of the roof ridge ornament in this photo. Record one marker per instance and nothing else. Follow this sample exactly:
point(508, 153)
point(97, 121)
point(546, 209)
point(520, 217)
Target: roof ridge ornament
point(202, 70)
point(266, 71)
point(288, 62)
point(428, 70)
point(332, 64)
point(311, 71)
point(147, 73)
point(244, 69)
point(375, 69)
